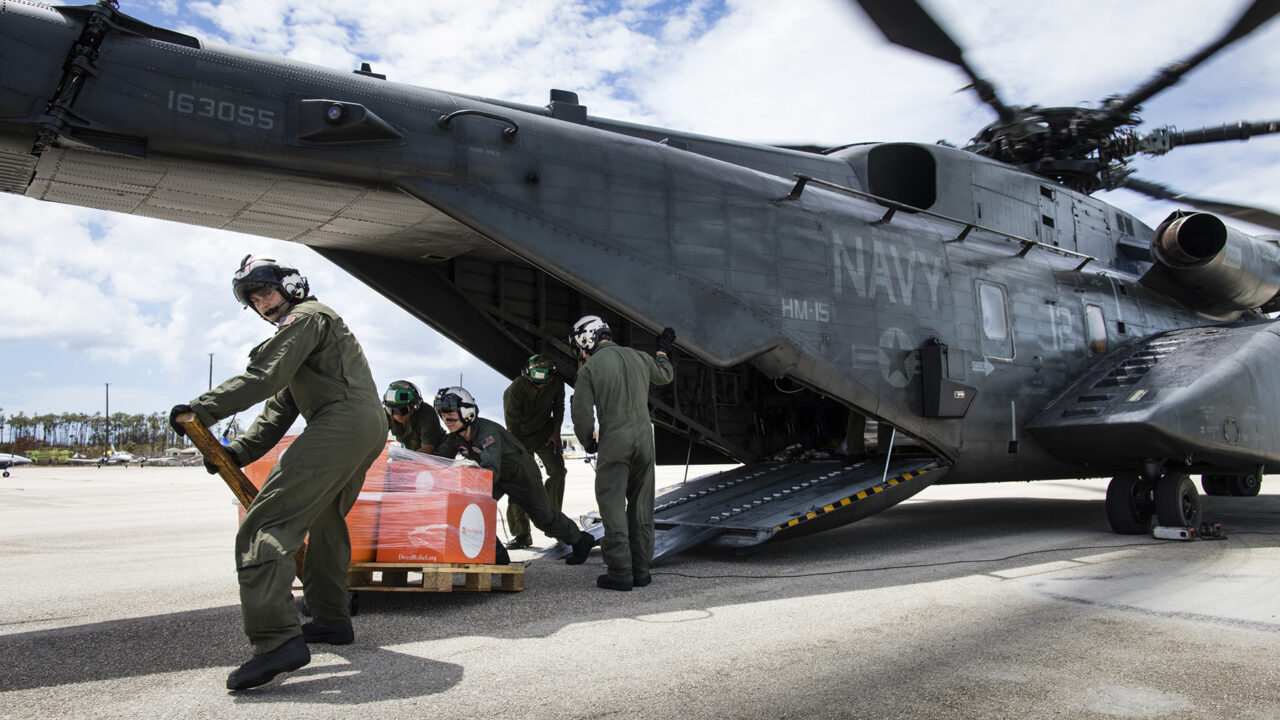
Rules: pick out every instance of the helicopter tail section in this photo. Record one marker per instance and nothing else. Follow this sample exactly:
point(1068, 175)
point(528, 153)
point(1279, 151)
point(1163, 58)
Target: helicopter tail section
point(1198, 398)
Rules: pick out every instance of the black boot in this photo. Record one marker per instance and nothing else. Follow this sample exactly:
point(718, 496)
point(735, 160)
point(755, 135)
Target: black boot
point(638, 581)
point(262, 668)
point(328, 635)
point(500, 556)
point(605, 582)
point(520, 542)
point(581, 549)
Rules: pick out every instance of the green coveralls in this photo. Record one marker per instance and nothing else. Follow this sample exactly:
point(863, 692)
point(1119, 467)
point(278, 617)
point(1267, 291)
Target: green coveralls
point(615, 380)
point(514, 474)
point(534, 414)
point(312, 366)
point(421, 428)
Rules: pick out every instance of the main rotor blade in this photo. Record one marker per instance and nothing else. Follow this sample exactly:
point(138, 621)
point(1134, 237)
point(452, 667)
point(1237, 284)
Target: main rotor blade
point(906, 23)
point(1223, 133)
point(1162, 140)
point(1257, 216)
point(1118, 109)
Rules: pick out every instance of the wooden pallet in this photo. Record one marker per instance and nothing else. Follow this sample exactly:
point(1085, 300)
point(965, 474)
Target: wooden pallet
point(435, 577)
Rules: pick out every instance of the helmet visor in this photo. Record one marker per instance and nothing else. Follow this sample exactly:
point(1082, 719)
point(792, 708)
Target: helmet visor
point(245, 290)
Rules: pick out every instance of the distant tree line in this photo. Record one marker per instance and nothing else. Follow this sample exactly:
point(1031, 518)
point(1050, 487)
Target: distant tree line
point(90, 435)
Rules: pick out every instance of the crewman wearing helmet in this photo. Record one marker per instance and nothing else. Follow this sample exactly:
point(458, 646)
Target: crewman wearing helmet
point(311, 366)
point(534, 409)
point(613, 384)
point(515, 474)
point(416, 428)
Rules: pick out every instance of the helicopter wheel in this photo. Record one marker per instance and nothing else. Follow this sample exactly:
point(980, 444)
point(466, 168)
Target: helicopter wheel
point(1129, 507)
point(1177, 501)
point(1214, 484)
point(1243, 485)
point(6, 473)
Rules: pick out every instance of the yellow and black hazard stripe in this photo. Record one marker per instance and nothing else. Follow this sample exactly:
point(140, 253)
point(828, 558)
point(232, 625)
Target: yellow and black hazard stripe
point(844, 502)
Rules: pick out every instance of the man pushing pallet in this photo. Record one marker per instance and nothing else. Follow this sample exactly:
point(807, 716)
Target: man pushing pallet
point(312, 366)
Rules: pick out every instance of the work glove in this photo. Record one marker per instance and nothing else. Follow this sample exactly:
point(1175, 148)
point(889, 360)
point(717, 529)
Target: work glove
point(173, 418)
point(666, 340)
point(213, 469)
point(590, 446)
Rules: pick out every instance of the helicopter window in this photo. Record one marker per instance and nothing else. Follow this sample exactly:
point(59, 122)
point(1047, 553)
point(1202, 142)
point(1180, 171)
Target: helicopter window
point(1048, 221)
point(995, 324)
point(1096, 328)
point(1046, 191)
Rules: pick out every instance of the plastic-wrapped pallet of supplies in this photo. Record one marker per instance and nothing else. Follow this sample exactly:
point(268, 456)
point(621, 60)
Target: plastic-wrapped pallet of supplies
point(414, 508)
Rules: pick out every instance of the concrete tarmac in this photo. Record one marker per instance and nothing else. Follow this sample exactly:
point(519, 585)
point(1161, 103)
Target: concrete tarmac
point(997, 601)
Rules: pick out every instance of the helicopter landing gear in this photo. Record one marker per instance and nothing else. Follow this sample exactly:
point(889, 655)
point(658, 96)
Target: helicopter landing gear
point(1129, 504)
point(1215, 484)
point(1133, 500)
point(1177, 501)
point(1244, 485)
point(1234, 485)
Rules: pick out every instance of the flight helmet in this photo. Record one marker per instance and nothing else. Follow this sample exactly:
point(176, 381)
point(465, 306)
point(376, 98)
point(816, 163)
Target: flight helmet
point(258, 273)
point(402, 395)
point(588, 332)
point(456, 399)
point(539, 369)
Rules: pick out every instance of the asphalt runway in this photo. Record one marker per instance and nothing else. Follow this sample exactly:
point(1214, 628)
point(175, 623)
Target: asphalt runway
point(997, 601)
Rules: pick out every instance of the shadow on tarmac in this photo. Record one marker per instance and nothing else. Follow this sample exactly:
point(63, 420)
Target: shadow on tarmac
point(923, 541)
point(199, 639)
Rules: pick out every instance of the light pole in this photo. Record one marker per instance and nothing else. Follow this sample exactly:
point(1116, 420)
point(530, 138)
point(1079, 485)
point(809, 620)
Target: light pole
point(210, 371)
point(107, 421)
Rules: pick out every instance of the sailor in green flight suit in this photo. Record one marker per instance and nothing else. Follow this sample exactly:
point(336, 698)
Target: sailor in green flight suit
point(416, 428)
point(312, 366)
point(534, 409)
point(615, 381)
point(515, 474)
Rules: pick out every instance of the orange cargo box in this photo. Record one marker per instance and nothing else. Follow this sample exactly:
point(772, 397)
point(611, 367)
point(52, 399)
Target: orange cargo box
point(396, 470)
point(362, 526)
point(436, 477)
point(436, 528)
point(413, 508)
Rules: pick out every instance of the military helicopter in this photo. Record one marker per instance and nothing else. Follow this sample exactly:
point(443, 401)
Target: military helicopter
point(856, 323)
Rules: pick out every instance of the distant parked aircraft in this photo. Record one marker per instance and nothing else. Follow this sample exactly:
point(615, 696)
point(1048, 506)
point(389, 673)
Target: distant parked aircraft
point(111, 457)
point(8, 460)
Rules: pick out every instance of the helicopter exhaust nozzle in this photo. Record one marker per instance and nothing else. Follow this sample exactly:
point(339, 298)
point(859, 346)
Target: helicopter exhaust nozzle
point(1189, 241)
point(1212, 268)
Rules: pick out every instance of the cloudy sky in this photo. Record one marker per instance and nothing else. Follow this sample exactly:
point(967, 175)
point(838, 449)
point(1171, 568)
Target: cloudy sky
point(90, 298)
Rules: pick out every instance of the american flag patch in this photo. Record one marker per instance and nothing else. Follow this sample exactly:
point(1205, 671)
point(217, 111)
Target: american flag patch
point(287, 319)
point(485, 443)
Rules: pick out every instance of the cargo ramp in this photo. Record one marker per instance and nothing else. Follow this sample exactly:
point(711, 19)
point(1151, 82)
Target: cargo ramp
point(763, 501)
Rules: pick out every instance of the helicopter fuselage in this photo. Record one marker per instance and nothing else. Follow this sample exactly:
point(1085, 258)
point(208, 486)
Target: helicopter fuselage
point(939, 293)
